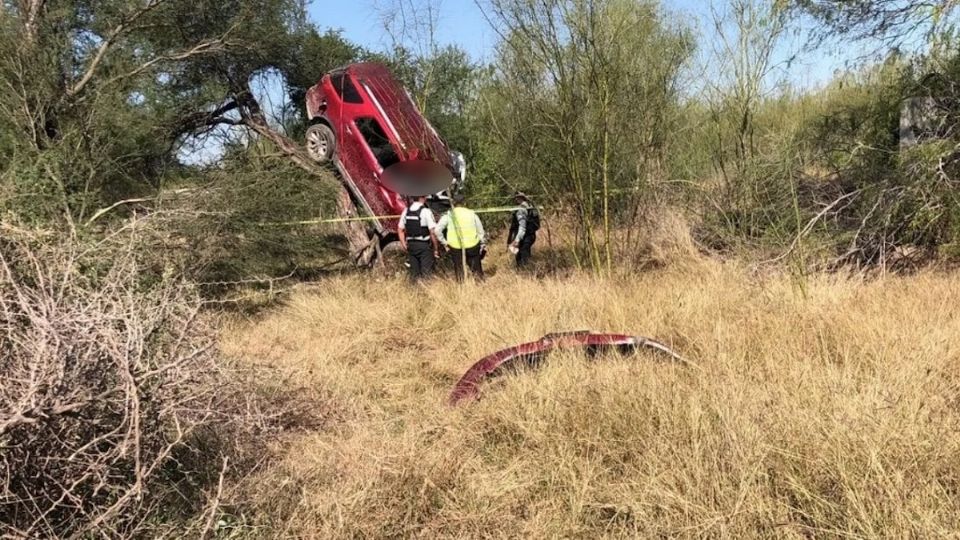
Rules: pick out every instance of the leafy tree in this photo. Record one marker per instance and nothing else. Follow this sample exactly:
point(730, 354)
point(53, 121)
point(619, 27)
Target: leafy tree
point(907, 210)
point(104, 94)
point(580, 106)
point(890, 21)
point(444, 85)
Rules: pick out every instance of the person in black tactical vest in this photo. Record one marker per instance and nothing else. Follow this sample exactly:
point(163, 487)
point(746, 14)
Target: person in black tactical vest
point(523, 229)
point(417, 231)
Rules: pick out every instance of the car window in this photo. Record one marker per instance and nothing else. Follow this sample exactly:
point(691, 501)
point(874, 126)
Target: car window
point(345, 88)
point(378, 141)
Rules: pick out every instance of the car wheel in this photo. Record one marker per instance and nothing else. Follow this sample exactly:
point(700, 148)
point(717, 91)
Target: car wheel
point(321, 142)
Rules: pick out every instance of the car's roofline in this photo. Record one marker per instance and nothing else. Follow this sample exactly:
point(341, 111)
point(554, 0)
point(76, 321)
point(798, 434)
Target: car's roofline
point(359, 67)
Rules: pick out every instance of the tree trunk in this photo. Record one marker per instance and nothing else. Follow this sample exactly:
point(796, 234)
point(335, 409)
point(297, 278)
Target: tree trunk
point(364, 244)
point(30, 12)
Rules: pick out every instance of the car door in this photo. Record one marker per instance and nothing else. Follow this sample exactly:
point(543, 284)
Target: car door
point(377, 152)
point(352, 152)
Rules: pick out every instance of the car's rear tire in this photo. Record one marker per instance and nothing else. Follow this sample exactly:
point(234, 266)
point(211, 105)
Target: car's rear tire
point(321, 143)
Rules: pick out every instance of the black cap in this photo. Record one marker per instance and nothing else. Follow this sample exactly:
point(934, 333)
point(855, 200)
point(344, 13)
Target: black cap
point(459, 198)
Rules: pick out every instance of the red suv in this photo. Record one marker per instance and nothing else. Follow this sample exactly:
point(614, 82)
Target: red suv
point(364, 120)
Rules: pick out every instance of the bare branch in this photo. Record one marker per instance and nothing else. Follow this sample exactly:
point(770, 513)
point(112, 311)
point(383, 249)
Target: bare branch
point(108, 41)
point(204, 47)
point(215, 503)
point(810, 224)
point(93, 385)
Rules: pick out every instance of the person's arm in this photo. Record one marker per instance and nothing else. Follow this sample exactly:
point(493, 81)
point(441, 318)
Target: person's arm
point(521, 226)
point(402, 229)
point(432, 227)
point(480, 232)
point(441, 229)
point(436, 244)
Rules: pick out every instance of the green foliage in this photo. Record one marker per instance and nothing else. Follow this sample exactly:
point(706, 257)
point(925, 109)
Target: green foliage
point(103, 97)
point(230, 225)
point(314, 54)
point(444, 86)
point(896, 22)
point(829, 172)
point(581, 104)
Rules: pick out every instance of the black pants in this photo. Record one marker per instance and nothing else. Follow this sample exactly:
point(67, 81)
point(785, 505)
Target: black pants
point(526, 249)
point(473, 259)
point(420, 258)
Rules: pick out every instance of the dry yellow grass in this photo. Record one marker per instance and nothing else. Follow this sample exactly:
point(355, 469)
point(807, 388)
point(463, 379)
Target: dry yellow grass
point(827, 410)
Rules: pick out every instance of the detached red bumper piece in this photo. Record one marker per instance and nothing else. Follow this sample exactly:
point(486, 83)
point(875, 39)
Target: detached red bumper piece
point(533, 353)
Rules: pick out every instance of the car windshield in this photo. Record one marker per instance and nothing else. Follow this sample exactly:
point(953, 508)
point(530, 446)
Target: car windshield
point(378, 141)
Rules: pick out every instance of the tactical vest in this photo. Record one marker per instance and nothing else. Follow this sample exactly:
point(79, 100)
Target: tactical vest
point(462, 231)
point(533, 223)
point(415, 229)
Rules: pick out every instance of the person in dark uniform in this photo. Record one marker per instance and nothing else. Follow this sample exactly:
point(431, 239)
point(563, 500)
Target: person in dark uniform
point(417, 231)
point(524, 225)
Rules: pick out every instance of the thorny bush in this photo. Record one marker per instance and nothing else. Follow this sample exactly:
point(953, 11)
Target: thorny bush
point(108, 375)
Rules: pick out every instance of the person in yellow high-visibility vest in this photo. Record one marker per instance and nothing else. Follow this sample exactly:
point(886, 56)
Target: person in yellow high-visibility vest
point(461, 232)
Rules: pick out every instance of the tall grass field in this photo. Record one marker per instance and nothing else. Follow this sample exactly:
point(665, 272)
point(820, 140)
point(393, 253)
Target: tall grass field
point(822, 407)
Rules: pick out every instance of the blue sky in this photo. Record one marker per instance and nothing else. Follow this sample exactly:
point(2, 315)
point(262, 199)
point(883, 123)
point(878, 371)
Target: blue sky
point(461, 22)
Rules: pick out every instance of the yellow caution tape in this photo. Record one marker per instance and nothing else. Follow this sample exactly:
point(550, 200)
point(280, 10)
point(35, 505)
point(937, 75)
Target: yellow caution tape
point(371, 218)
point(492, 210)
